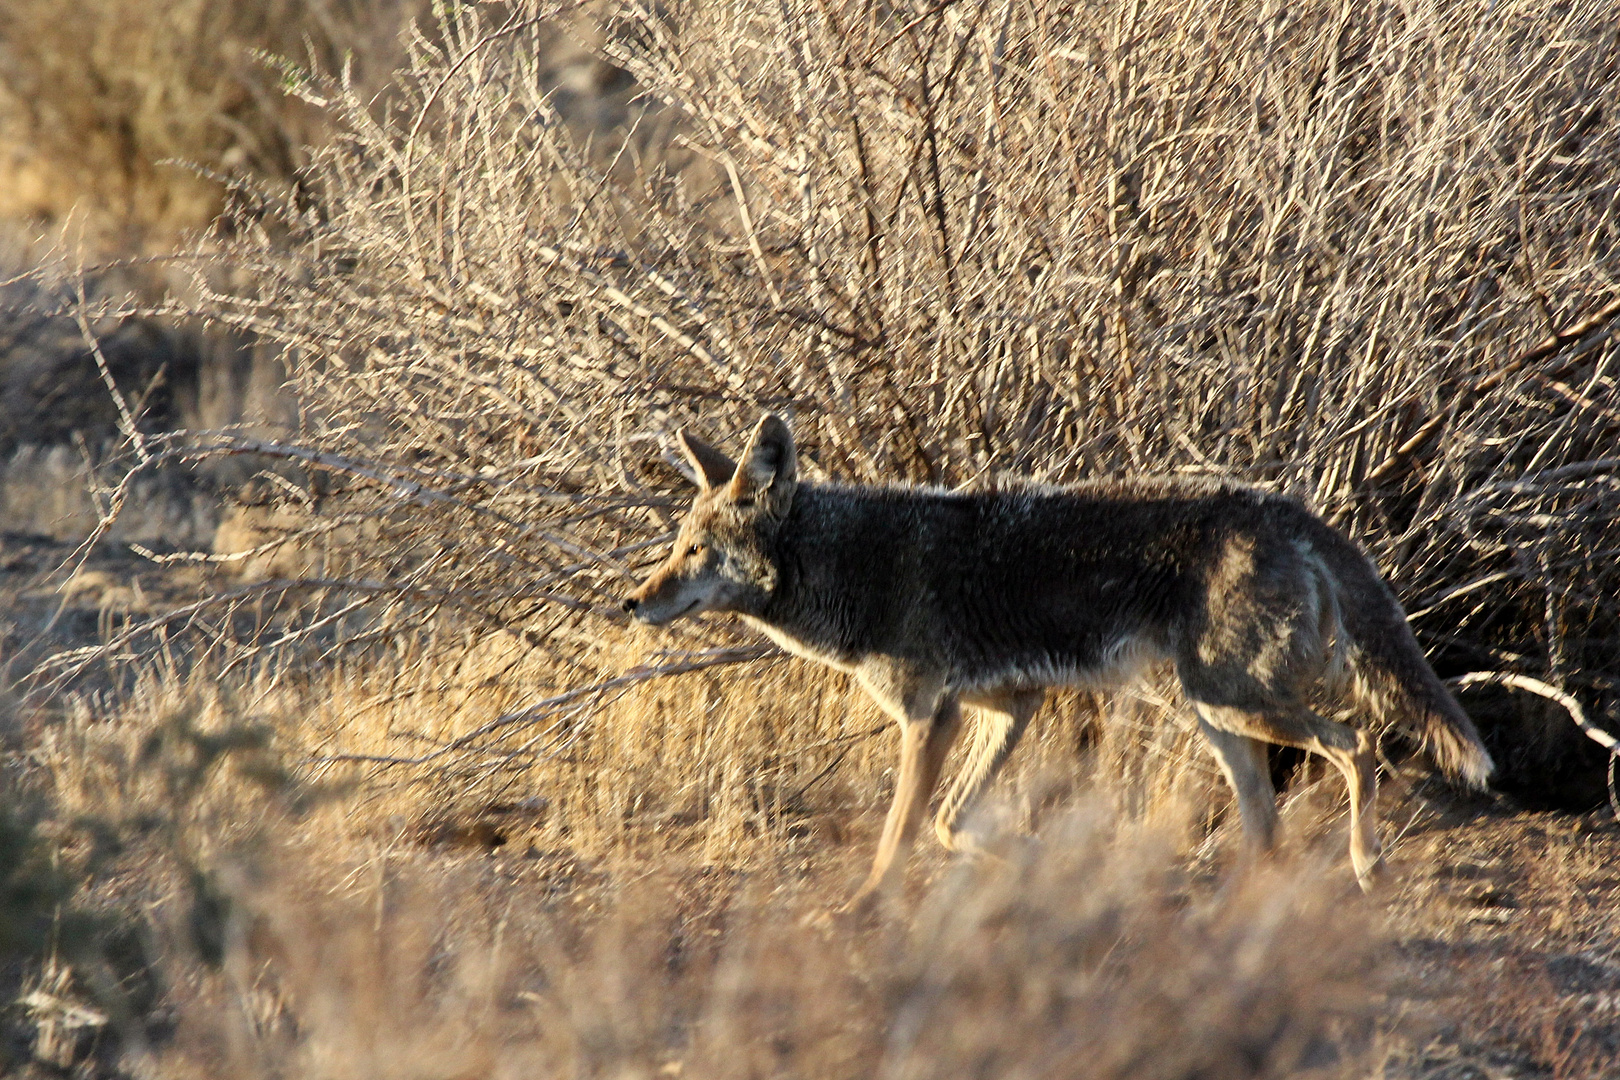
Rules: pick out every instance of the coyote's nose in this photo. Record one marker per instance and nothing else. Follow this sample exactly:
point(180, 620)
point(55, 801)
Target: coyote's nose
point(629, 604)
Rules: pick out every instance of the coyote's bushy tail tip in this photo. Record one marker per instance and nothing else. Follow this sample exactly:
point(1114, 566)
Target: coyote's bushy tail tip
point(1391, 675)
point(1396, 682)
point(1458, 753)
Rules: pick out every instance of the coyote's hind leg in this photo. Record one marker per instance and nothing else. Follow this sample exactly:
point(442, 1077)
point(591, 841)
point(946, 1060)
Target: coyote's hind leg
point(1349, 749)
point(1243, 761)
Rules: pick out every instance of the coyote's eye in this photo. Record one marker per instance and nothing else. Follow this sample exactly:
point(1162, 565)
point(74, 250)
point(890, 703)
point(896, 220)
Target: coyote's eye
point(694, 549)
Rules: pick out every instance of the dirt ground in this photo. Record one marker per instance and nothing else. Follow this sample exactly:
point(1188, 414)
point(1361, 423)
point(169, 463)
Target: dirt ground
point(1505, 938)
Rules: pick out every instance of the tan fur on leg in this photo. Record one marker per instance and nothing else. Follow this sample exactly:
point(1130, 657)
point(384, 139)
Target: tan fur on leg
point(924, 744)
point(1000, 724)
point(1243, 761)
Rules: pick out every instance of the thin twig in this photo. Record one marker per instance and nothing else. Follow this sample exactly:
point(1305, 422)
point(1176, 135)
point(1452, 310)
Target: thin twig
point(1551, 693)
point(540, 710)
point(1400, 459)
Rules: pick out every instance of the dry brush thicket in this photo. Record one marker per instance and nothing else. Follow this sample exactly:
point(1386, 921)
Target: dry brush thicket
point(1362, 255)
point(1359, 253)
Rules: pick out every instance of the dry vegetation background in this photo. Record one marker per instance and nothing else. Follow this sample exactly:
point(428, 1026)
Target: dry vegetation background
point(330, 754)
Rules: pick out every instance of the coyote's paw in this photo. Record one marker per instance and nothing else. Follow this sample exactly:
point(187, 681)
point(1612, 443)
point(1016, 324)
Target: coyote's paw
point(863, 907)
point(1373, 876)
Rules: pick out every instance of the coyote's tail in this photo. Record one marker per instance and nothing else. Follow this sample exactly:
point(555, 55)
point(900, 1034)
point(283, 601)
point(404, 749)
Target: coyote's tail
point(1388, 672)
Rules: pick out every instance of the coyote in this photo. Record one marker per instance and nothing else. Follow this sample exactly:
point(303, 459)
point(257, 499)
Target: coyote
point(935, 599)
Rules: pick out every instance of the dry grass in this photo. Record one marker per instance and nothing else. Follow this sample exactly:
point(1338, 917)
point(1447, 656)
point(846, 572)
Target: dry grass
point(114, 112)
point(642, 884)
point(285, 951)
point(1507, 943)
point(1091, 954)
point(439, 743)
point(300, 927)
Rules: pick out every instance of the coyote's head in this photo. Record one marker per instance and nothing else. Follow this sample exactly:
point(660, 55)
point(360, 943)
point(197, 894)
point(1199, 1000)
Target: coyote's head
point(724, 554)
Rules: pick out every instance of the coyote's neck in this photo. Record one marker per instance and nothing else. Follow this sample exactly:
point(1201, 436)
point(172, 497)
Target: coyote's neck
point(826, 592)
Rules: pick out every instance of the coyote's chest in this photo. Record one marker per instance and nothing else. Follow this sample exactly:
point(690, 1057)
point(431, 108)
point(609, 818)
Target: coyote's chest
point(804, 648)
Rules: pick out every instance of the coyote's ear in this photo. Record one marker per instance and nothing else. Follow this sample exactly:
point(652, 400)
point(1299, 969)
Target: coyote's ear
point(769, 472)
point(710, 468)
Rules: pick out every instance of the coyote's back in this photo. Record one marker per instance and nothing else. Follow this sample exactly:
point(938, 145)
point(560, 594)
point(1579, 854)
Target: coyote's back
point(936, 599)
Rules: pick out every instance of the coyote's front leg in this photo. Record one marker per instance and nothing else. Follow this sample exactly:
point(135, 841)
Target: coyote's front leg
point(929, 721)
point(1002, 717)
